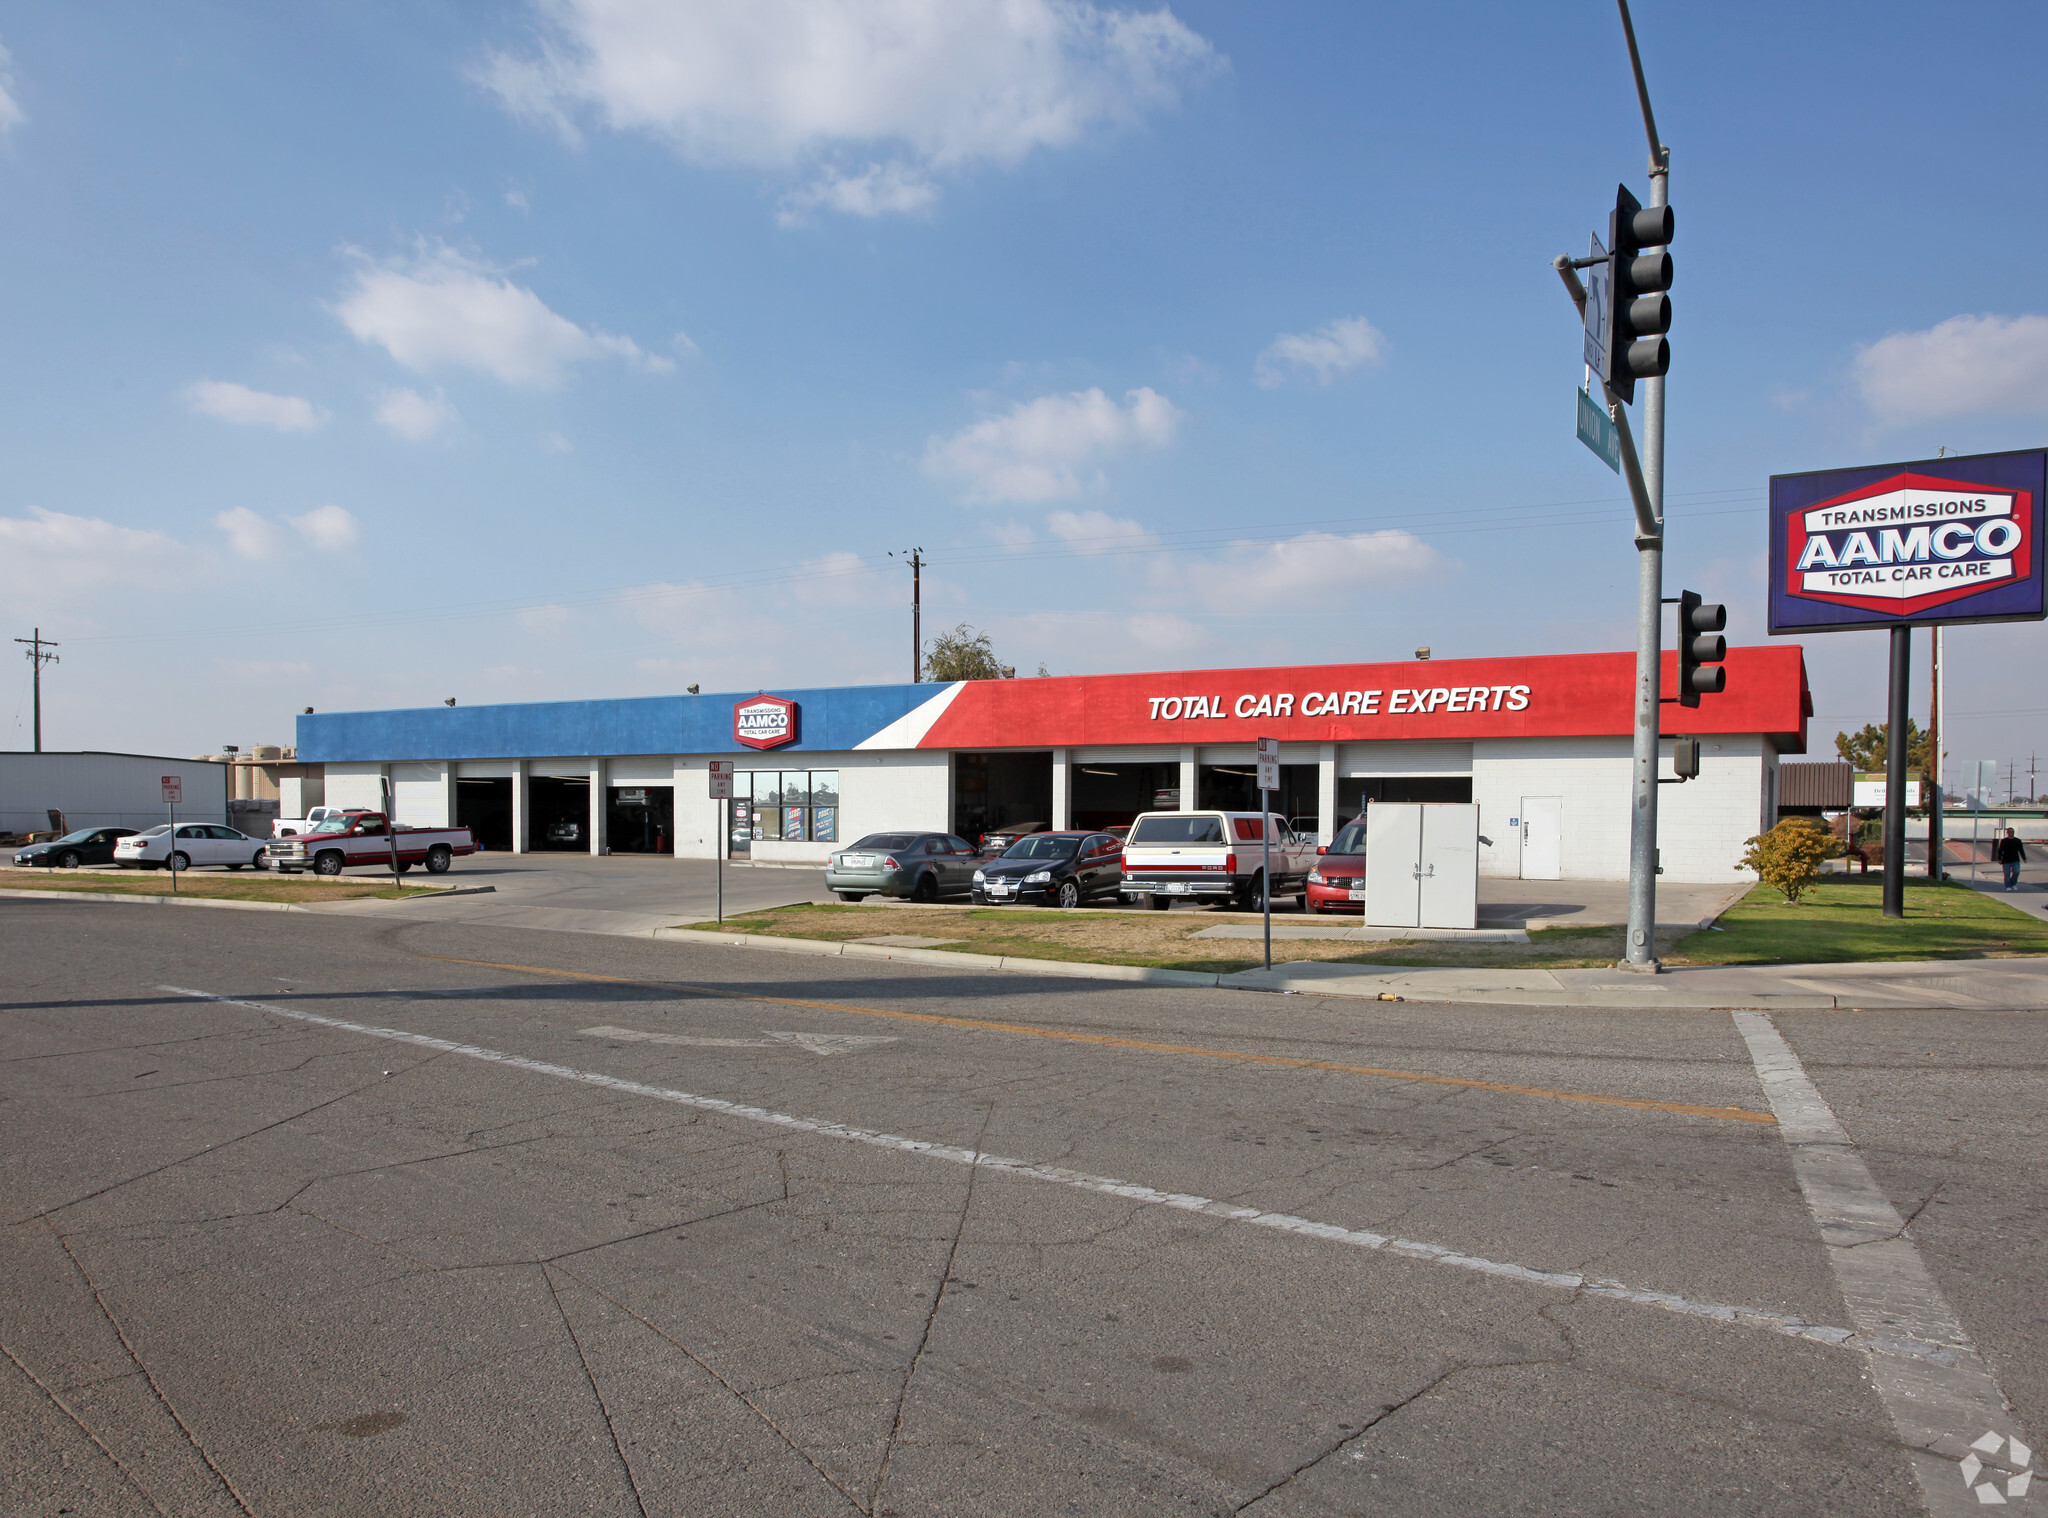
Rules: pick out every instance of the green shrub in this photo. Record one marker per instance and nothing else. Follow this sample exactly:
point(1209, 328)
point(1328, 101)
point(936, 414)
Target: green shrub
point(1788, 857)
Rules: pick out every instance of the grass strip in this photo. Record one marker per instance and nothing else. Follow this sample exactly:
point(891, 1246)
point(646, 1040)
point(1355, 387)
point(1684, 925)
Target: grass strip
point(210, 887)
point(1843, 920)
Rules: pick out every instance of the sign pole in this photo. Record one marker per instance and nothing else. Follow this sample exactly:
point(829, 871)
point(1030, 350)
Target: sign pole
point(1895, 775)
point(1268, 767)
point(721, 792)
point(171, 853)
point(1930, 789)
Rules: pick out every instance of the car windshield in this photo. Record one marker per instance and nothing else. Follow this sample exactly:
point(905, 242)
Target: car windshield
point(1042, 846)
point(156, 832)
point(330, 825)
point(887, 841)
point(1171, 830)
point(1350, 839)
point(83, 835)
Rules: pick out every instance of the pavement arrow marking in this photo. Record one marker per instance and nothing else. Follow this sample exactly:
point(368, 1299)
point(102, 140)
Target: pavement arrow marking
point(815, 1043)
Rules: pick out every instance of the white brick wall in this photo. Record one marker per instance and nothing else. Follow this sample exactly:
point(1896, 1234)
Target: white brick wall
point(1701, 825)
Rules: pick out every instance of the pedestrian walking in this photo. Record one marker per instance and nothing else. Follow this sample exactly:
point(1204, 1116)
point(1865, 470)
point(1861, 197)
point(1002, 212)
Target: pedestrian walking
point(2011, 853)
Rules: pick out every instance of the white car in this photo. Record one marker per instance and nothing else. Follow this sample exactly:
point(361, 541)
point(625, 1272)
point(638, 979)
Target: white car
point(197, 843)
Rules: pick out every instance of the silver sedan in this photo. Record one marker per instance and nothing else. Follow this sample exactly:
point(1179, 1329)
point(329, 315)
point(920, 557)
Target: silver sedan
point(919, 866)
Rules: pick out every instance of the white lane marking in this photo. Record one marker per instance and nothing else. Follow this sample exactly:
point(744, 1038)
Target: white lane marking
point(816, 1043)
point(1358, 1238)
point(1936, 1401)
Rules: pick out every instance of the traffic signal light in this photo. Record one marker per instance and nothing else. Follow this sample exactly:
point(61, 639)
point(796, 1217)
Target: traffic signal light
point(1685, 758)
point(1638, 310)
point(1701, 648)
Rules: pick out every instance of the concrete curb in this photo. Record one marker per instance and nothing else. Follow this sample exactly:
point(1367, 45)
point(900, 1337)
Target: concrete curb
point(949, 959)
point(131, 898)
point(1367, 985)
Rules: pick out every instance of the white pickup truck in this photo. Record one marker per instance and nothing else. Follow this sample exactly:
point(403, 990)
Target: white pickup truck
point(291, 827)
point(1213, 856)
point(346, 839)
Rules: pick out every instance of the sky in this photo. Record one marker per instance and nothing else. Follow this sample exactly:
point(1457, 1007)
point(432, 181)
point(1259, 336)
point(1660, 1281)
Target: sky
point(364, 356)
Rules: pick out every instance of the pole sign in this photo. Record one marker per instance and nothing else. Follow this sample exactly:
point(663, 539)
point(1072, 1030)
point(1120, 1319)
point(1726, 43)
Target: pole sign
point(174, 790)
point(1598, 432)
point(1908, 545)
point(721, 780)
point(1269, 764)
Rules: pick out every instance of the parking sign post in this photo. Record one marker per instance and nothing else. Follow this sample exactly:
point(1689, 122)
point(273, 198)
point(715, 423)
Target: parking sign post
point(1269, 782)
point(721, 792)
point(174, 792)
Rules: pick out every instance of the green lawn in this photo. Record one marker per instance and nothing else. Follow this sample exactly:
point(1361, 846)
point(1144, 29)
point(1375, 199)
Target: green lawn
point(1844, 920)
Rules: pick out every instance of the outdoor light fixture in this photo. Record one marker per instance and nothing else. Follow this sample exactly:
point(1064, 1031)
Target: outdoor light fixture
point(449, 702)
point(691, 689)
point(308, 712)
point(1422, 652)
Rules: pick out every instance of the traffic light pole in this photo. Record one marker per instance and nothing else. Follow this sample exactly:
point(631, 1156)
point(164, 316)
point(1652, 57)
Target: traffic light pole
point(1642, 837)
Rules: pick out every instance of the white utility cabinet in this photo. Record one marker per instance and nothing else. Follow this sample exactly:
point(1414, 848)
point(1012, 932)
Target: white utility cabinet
point(1422, 864)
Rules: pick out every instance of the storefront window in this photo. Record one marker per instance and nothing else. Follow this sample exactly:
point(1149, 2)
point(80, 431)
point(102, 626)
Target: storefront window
point(793, 805)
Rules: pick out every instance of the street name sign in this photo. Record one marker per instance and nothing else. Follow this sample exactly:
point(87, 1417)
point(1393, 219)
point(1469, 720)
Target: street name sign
point(1598, 432)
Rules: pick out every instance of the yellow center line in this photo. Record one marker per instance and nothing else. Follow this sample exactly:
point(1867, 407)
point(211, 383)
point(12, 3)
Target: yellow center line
point(1112, 1041)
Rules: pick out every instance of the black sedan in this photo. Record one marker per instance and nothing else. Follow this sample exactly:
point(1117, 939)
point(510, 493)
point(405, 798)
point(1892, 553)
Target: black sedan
point(86, 846)
point(1062, 869)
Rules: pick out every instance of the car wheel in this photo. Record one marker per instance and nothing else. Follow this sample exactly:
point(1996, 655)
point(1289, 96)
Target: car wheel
point(1157, 902)
point(181, 862)
point(439, 857)
point(328, 863)
point(234, 867)
point(68, 860)
point(852, 895)
point(261, 861)
point(1068, 895)
point(1248, 899)
point(402, 867)
point(927, 890)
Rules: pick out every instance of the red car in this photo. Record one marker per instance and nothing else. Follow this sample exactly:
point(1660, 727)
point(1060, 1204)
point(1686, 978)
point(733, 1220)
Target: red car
point(1337, 883)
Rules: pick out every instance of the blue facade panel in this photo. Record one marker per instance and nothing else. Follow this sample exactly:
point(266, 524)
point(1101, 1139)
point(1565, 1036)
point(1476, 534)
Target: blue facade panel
point(827, 721)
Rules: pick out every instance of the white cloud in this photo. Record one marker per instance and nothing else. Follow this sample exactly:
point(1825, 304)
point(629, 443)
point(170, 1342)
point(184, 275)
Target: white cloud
point(554, 442)
point(439, 308)
point(870, 99)
point(229, 402)
point(1333, 349)
point(544, 620)
point(328, 528)
point(1097, 531)
point(251, 536)
point(1294, 572)
point(880, 189)
point(11, 113)
point(519, 201)
point(1052, 447)
point(51, 557)
point(1995, 365)
point(416, 417)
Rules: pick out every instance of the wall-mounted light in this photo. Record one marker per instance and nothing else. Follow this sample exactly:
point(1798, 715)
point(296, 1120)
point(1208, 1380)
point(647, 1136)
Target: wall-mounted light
point(1422, 652)
point(308, 712)
point(449, 702)
point(691, 689)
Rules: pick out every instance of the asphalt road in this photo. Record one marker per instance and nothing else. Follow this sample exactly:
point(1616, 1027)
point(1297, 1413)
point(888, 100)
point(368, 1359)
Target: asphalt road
point(411, 1222)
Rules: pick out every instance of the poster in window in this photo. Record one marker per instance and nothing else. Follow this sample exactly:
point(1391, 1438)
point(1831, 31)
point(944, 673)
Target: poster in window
point(793, 822)
point(825, 824)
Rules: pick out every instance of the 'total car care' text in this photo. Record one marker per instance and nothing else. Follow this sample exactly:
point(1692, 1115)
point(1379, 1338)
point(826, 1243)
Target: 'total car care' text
point(1347, 703)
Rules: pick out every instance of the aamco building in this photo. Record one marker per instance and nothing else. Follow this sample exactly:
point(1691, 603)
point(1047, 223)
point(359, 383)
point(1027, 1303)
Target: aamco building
point(1540, 743)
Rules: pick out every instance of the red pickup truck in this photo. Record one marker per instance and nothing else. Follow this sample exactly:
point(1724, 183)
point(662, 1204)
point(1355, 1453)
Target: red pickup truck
point(364, 838)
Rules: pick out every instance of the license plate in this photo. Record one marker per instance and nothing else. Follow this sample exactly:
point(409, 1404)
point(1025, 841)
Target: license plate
point(1354, 895)
point(996, 890)
point(1177, 887)
point(856, 861)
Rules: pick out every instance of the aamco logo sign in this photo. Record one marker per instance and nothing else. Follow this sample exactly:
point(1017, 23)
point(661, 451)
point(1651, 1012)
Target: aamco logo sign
point(1908, 543)
point(764, 722)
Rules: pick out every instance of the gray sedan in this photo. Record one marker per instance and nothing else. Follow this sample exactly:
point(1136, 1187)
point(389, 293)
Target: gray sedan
point(920, 866)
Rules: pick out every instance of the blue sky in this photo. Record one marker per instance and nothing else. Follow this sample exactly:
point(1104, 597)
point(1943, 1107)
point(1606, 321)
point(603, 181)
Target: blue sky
point(368, 355)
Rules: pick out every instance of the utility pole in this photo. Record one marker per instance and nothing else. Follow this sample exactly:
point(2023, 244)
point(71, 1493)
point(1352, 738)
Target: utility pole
point(38, 658)
point(917, 562)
